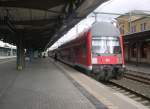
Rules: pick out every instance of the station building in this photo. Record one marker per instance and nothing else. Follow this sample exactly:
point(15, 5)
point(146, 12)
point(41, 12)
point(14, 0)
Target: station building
point(136, 35)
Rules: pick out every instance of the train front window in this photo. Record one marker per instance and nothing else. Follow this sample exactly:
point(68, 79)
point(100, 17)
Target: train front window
point(105, 45)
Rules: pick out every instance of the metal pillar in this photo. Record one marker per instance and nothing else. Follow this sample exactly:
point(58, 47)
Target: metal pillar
point(129, 51)
point(137, 53)
point(20, 56)
point(130, 22)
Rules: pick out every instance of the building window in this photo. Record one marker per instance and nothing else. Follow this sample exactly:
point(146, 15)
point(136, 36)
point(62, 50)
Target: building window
point(133, 29)
point(144, 50)
point(134, 50)
point(143, 26)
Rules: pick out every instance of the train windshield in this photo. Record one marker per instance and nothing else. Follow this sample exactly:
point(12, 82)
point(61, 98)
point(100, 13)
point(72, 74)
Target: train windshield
point(106, 45)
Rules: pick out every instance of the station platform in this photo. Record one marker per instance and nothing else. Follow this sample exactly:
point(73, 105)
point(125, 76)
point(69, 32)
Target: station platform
point(45, 84)
point(6, 57)
point(142, 68)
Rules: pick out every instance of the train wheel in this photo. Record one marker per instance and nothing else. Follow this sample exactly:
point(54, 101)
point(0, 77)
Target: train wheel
point(100, 76)
point(108, 75)
point(119, 75)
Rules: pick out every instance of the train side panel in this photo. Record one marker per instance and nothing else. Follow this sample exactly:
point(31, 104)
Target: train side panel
point(89, 54)
point(77, 52)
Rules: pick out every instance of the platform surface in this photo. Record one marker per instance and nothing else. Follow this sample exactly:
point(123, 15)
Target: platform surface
point(140, 68)
point(45, 84)
point(41, 85)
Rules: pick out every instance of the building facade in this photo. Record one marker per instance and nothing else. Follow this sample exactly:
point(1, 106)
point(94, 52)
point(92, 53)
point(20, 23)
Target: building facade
point(136, 35)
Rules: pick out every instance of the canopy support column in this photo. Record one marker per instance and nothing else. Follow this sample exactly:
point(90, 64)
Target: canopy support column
point(20, 56)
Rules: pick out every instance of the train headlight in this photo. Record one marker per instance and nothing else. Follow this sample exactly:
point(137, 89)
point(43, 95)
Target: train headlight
point(107, 60)
point(94, 60)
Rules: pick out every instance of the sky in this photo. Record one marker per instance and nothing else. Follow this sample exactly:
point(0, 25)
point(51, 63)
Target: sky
point(112, 6)
point(121, 6)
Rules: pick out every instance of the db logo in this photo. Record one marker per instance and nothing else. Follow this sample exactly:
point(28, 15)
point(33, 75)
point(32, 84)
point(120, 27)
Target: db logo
point(107, 60)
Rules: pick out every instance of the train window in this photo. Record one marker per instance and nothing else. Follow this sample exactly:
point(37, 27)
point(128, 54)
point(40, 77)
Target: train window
point(105, 45)
point(117, 50)
point(143, 26)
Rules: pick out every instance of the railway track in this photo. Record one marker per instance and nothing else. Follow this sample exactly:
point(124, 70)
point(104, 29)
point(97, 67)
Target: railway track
point(140, 77)
point(134, 86)
point(130, 93)
point(128, 90)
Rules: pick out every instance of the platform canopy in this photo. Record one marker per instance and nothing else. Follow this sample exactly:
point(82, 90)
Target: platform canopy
point(139, 36)
point(40, 23)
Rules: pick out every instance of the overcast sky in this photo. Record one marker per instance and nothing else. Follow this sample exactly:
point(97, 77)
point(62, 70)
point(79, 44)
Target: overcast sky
point(121, 6)
point(112, 6)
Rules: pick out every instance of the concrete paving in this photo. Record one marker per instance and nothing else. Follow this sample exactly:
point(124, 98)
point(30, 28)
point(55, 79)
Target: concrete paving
point(139, 68)
point(41, 85)
point(45, 84)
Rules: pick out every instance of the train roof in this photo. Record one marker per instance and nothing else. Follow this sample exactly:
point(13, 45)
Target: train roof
point(104, 29)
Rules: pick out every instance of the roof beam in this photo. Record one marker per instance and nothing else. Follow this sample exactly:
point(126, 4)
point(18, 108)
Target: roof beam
point(32, 4)
point(31, 22)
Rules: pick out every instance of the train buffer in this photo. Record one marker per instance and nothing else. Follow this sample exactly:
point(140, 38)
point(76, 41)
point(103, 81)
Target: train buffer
point(45, 84)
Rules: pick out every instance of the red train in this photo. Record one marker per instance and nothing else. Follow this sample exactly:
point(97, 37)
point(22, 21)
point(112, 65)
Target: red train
point(99, 51)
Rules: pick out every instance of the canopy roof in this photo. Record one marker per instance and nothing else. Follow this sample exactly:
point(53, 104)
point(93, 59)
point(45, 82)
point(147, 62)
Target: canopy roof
point(40, 23)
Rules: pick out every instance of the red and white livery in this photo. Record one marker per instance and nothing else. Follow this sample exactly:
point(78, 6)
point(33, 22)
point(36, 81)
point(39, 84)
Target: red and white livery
point(99, 51)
